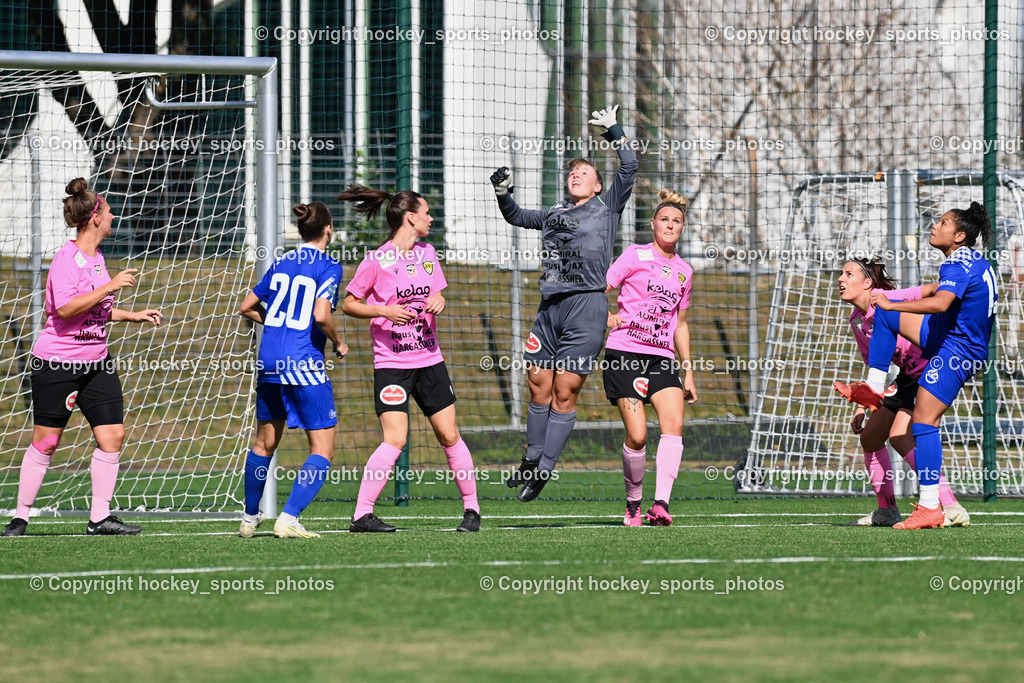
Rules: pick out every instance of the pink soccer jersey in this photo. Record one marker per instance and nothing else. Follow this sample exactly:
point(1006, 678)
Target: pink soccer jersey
point(653, 289)
point(907, 356)
point(83, 337)
point(387, 277)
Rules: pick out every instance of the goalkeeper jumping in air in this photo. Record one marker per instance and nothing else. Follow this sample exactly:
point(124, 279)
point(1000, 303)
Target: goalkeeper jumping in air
point(578, 235)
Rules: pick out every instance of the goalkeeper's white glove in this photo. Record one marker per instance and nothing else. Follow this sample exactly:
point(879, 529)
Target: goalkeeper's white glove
point(502, 182)
point(607, 118)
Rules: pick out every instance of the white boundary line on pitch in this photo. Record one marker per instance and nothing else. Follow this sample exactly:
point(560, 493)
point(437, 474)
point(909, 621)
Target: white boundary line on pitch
point(494, 563)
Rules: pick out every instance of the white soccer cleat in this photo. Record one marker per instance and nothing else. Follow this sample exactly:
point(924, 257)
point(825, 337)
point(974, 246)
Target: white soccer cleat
point(955, 515)
point(880, 517)
point(287, 526)
point(249, 524)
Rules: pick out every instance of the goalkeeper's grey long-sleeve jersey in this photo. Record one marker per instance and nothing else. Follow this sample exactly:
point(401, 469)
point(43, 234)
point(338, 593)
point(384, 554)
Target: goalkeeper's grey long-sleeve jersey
point(578, 240)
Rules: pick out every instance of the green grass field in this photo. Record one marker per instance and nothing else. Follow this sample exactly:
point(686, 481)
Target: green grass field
point(429, 604)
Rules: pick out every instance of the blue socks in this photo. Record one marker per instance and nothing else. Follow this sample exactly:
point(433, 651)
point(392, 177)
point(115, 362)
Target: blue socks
point(883, 339)
point(928, 456)
point(257, 469)
point(307, 484)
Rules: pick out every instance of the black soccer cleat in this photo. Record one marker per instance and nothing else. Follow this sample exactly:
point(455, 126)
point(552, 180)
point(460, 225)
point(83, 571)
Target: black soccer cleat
point(532, 488)
point(470, 521)
point(111, 526)
point(526, 470)
point(15, 528)
point(369, 524)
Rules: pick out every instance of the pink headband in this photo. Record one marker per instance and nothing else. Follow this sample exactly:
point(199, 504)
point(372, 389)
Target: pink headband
point(91, 213)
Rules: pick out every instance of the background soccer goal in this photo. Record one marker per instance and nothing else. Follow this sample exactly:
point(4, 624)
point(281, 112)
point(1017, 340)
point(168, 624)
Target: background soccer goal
point(176, 146)
point(801, 442)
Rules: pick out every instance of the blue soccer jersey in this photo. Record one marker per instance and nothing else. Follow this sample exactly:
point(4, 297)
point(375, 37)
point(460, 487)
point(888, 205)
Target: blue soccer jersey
point(292, 349)
point(968, 321)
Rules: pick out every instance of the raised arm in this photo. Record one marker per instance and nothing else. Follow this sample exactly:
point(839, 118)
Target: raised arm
point(513, 214)
point(622, 187)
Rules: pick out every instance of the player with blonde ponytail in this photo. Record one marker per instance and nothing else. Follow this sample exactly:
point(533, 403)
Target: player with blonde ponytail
point(648, 332)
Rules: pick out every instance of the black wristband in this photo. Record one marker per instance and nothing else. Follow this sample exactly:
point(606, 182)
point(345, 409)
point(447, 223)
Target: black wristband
point(614, 133)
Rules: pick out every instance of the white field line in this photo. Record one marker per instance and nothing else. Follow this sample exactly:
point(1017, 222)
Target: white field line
point(264, 569)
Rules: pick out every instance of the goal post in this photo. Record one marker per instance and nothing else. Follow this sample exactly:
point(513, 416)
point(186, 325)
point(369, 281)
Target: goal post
point(801, 442)
point(185, 150)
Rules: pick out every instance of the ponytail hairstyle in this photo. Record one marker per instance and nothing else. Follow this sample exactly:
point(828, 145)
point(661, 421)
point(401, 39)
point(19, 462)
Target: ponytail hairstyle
point(975, 223)
point(81, 204)
point(672, 199)
point(313, 220)
point(874, 270)
point(369, 202)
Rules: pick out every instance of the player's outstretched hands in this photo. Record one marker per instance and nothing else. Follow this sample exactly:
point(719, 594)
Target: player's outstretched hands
point(397, 314)
point(605, 117)
point(502, 181)
point(608, 119)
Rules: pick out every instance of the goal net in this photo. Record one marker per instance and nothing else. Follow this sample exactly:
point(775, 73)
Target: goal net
point(173, 155)
point(801, 441)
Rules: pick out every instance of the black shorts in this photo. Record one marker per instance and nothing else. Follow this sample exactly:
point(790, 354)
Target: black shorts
point(905, 395)
point(57, 387)
point(431, 387)
point(638, 375)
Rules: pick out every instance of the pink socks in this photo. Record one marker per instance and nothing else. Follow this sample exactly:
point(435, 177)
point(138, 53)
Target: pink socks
point(879, 468)
point(375, 477)
point(461, 463)
point(104, 476)
point(33, 469)
point(633, 471)
point(670, 455)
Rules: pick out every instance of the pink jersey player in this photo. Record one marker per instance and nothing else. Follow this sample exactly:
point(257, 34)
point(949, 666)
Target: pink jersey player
point(648, 332)
point(82, 337)
point(858, 279)
point(71, 366)
point(398, 289)
point(389, 277)
point(652, 291)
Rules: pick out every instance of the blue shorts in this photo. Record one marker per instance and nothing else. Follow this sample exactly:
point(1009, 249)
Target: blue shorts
point(948, 369)
point(305, 407)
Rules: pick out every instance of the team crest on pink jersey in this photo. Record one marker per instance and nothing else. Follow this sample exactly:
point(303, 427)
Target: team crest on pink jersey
point(682, 279)
point(393, 395)
point(410, 269)
point(666, 271)
point(429, 267)
point(532, 344)
point(640, 384)
point(69, 402)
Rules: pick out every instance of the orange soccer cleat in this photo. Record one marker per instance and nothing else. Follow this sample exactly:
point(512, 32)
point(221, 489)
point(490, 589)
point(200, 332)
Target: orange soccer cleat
point(859, 392)
point(922, 518)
